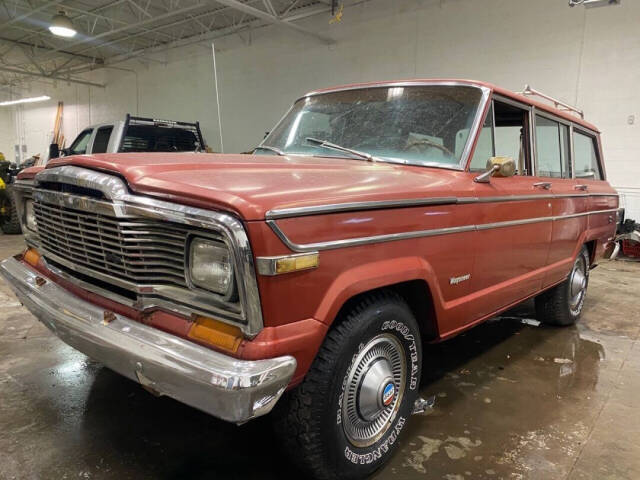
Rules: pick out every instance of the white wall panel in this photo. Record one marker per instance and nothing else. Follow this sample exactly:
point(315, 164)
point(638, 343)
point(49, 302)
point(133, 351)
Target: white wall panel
point(586, 56)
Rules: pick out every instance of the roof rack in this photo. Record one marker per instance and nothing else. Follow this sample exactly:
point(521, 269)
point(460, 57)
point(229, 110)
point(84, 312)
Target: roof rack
point(528, 91)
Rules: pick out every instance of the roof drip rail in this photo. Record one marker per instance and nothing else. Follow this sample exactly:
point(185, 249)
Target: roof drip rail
point(528, 91)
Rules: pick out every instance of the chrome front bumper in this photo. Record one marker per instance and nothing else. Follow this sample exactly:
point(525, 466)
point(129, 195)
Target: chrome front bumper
point(231, 389)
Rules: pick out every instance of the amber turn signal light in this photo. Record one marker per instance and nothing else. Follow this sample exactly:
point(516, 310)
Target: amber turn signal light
point(288, 263)
point(216, 333)
point(31, 256)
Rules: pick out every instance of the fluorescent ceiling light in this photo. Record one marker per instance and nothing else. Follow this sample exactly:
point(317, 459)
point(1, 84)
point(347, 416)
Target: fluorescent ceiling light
point(61, 26)
point(25, 100)
point(594, 3)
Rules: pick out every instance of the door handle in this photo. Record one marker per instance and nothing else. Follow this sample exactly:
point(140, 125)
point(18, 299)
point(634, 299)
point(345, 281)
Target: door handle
point(545, 185)
point(581, 187)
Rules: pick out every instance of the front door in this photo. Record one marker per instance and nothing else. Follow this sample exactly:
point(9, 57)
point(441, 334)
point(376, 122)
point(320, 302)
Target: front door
point(514, 227)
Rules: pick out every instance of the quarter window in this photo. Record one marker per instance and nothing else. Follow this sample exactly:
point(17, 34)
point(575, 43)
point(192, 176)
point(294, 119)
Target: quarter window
point(552, 148)
point(586, 157)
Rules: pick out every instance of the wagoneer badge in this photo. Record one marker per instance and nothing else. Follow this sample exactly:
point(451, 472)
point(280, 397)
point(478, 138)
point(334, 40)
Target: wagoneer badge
point(457, 280)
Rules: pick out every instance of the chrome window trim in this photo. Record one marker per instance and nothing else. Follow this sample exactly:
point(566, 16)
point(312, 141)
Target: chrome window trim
point(122, 203)
point(473, 131)
point(359, 241)
point(562, 122)
point(595, 137)
point(573, 158)
point(281, 213)
point(530, 113)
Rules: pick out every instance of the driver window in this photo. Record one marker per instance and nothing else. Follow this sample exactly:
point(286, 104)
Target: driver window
point(511, 136)
point(79, 146)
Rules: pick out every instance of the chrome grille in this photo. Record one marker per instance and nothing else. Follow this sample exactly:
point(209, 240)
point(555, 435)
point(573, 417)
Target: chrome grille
point(138, 250)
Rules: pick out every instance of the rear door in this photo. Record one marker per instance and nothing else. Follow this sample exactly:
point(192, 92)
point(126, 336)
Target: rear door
point(513, 216)
point(553, 163)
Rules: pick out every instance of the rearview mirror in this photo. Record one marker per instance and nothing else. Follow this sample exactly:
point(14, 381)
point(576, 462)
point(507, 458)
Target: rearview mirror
point(497, 167)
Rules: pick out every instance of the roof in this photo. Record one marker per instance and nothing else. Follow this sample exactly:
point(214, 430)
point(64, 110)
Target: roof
point(493, 88)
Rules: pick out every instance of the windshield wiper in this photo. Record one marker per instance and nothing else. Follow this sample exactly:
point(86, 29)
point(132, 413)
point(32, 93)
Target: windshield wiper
point(324, 143)
point(271, 149)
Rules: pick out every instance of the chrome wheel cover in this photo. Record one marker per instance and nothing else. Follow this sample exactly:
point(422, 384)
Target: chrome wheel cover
point(577, 284)
point(375, 385)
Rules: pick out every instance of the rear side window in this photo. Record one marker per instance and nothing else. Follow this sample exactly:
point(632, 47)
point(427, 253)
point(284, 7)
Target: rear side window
point(144, 138)
point(79, 145)
point(552, 148)
point(101, 142)
point(586, 156)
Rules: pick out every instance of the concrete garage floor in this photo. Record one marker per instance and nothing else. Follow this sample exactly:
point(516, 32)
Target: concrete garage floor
point(513, 401)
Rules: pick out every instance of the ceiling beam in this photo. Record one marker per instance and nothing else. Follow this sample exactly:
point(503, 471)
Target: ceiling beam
point(242, 7)
point(249, 24)
point(130, 26)
point(28, 13)
point(44, 47)
point(50, 77)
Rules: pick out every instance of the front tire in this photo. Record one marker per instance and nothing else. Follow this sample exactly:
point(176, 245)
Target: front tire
point(344, 420)
point(562, 304)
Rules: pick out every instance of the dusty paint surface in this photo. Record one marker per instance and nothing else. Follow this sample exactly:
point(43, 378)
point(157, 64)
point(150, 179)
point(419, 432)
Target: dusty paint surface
point(513, 401)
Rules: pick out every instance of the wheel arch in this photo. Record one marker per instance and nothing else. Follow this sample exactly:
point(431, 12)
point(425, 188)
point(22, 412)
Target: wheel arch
point(411, 278)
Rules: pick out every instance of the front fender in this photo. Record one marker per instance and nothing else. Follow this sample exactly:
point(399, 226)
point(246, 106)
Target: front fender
point(374, 275)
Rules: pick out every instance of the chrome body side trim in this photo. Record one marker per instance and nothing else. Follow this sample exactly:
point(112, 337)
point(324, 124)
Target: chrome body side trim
point(225, 387)
point(122, 204)
point(280, 213)
point(360, 206)
point(391, 237)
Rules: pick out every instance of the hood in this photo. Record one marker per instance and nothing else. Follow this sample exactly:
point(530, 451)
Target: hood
point(251, 185)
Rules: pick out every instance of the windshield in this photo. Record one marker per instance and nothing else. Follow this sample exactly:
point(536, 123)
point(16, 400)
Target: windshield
point(420, 125)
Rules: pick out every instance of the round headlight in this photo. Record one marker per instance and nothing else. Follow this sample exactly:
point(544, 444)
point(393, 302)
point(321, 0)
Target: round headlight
point(210, 266)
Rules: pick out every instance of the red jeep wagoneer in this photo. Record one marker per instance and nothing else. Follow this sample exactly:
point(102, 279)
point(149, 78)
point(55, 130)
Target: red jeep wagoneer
point(371, 219)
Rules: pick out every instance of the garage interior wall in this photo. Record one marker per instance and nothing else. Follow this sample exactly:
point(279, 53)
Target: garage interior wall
point(587, 57)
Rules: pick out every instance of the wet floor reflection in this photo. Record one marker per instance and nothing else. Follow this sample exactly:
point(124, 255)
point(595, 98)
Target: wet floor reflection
point(511, 399)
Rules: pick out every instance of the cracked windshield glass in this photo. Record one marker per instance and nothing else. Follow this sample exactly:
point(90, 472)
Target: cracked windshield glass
point(420, 125)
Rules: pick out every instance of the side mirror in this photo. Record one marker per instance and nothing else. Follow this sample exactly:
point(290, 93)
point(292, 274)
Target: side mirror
point(497, 167)
point(54, 151)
